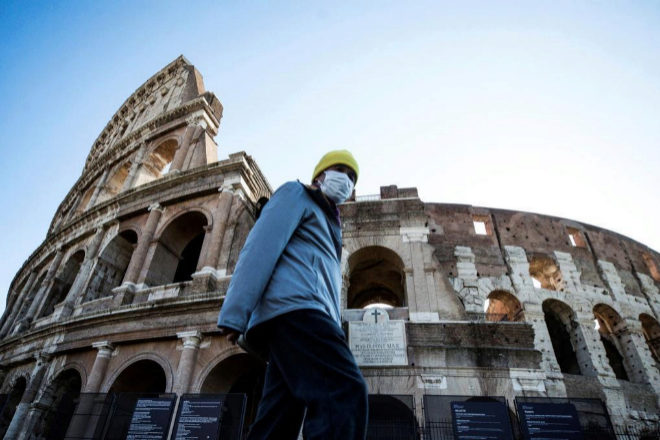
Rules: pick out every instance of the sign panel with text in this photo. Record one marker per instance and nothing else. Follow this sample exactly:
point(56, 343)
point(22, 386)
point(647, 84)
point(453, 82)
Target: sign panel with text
point(549, 421)
point(481, 421)
point(151, 419)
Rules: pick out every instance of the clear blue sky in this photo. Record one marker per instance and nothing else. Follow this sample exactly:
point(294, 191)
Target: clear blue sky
point(551, 107)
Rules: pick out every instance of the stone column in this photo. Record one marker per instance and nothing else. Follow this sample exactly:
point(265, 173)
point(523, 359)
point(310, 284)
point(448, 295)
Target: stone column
point(20, 416)
point(144, 242)
point(223, 259)
point(135, 167)
point(640, 359)
point(14, 308)
point(82, 277)
point(218, 232)
point(191, 341)
point(99, 187)
point(189, 138)
point(611, 389)
point(100, 366)
point(84, 424)
point(43, 290)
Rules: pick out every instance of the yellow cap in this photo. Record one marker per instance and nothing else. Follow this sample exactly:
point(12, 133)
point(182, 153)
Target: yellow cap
point(336, 157)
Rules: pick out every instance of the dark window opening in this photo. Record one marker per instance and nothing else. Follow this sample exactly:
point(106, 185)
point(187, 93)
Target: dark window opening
point(561, 343)
point(615, 358)
point(189, 259)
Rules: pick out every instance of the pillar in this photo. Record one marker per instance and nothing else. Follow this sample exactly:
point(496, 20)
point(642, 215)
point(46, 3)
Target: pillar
point(82, 277)
point(100, 366)
point(222, 212)
point(14, 308)
point(135, 167)
point(223, 257)
point(189, 138)
point(144, 242)
point(614, 398)
point(191, 341)
point(640, 359)
point(83, 424)
point(43, 290)
point(20, 418)
point(99, 187)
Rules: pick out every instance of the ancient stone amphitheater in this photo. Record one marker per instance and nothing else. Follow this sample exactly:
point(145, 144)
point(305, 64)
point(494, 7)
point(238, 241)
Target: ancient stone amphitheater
point(122, 296)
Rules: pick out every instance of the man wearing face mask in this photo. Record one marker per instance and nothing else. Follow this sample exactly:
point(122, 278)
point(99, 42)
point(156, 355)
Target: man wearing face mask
point(284, 297)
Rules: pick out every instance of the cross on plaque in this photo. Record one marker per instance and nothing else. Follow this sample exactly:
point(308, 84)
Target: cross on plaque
point(376, 314)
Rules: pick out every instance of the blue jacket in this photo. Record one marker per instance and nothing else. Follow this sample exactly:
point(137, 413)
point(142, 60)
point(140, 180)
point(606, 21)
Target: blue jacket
point(290, 261)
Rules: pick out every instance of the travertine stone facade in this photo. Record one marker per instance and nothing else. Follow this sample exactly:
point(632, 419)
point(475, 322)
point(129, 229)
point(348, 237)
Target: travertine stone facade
point(123, 293)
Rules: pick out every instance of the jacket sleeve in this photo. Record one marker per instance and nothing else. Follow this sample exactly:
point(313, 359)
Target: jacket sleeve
point(260, 254)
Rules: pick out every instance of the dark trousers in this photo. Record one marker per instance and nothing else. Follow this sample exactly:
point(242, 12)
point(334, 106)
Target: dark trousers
point(311, 373)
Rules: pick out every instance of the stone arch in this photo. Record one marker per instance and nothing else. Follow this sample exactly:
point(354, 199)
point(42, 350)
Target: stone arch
point(63, 282)
point(545, 272)
point(391, 419)
point(59, 399)
point(562, 328)
point(16, 391)
point(376, 276)
point(237, 373)
point(651, 331)
point(115, 182)
point(610, 327)
point(111, 265)
point(157, 161)
point(178, 249)
point(77, 367)
point(147, 372)
point(501, 305)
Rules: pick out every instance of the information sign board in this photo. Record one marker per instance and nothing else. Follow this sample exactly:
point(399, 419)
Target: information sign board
point(151, 419)
point(199, 418)
point(549, 421)
point(481, 421)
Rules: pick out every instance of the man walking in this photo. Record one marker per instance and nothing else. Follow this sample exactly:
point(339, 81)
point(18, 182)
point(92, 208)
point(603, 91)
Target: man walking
point(284, 297)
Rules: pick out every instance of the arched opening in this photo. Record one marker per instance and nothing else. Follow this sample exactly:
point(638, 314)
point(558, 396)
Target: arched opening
point(178, 250)
point(545, 273)
point(610, 325)
point(241, 374)
point(503, 306)
point(60, 400)
point(391, 418)
point(560, 320)
point(111, 265)
point(84, 200)
point(144, 376)
point(115, 183)
point(157, 163)
point(651, 331)
point(63, 282)
point(13, 399)
point(375, 277)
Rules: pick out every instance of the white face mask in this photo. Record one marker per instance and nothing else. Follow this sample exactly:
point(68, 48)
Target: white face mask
point(337, 186)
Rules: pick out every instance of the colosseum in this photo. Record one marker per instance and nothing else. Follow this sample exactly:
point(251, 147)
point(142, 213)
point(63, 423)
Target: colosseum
point(451, 310)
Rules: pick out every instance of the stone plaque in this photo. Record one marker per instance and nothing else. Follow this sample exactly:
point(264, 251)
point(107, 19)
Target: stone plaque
point(377, 341)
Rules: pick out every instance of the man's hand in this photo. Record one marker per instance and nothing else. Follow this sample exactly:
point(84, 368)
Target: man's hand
point(231, 334)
